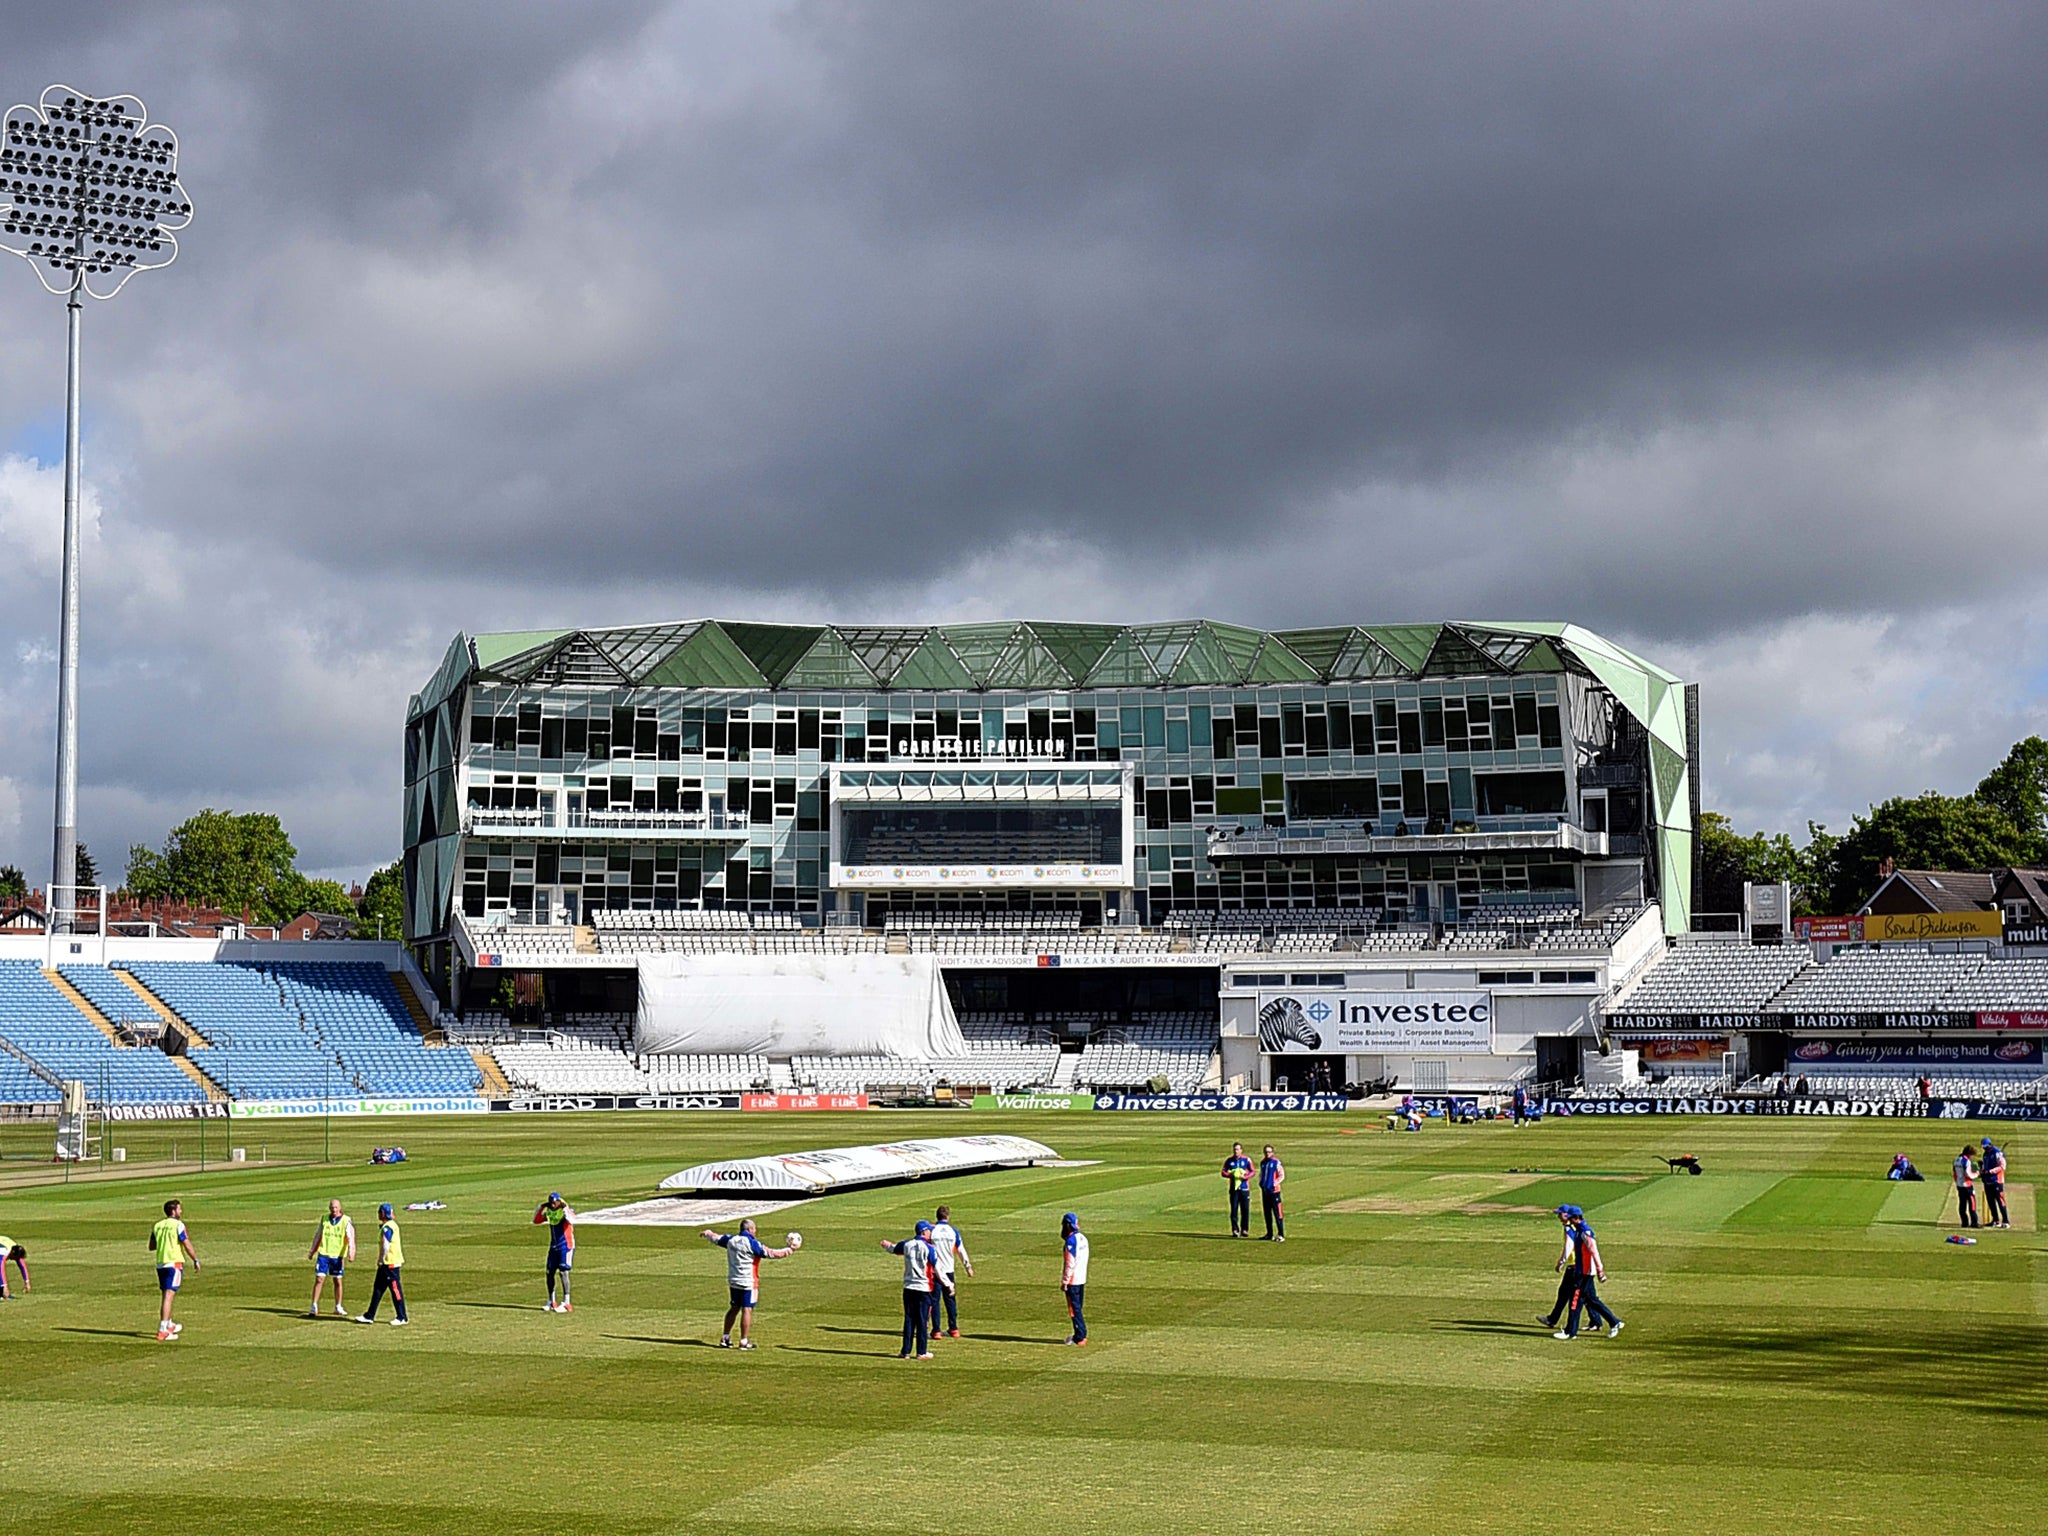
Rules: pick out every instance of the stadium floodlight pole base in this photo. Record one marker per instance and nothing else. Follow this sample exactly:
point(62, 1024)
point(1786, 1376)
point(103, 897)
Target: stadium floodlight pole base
point(64, 856)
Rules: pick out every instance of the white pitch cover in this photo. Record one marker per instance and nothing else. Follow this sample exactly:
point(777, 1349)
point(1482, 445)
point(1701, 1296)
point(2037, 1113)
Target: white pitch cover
point(817, 1173)
point(796, 1005)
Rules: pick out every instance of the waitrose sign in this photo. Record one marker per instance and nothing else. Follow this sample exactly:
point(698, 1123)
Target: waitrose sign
point(1034, 1101)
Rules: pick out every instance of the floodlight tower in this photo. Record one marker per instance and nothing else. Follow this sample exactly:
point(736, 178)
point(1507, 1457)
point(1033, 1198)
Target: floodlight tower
point(89, 196)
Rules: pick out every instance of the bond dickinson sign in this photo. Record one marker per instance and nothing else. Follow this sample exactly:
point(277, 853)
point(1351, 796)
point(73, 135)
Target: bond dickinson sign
point(1342, 1023)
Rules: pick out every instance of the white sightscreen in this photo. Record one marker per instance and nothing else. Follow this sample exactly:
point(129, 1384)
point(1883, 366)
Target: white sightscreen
point(796, 1005)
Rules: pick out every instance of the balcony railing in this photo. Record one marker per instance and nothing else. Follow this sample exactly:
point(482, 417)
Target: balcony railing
point(1393, 834)
point(562, 823)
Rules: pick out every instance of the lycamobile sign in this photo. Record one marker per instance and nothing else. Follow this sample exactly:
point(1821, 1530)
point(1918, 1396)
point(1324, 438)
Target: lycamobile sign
point(1034, 1101)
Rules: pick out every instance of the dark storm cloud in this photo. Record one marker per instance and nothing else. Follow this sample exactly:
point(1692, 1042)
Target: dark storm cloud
point(1683, 321)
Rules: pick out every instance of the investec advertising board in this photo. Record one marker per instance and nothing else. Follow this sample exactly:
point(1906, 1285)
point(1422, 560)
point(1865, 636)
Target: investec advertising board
point(1333, 1023)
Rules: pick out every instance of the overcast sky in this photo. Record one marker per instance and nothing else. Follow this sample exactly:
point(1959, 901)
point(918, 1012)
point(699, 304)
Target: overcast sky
point(1721, 330)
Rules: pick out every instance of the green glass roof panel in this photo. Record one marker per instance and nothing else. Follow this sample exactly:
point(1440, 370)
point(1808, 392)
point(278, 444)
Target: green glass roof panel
point(1206, 663)
point(636, 651)
point(1077, 646)
point(1123, 665)
point(1454, 655)
point(1320, 648)
point(828, 664)
point(1541, 657)
point(1501, 645)
point(494, 650)
point(1409, 644)
point(774, 648)
point(979, 647)
point(933, 665)
point(1277, 664)
point(575, 658)
point(1028, 663)
point(1240, 648)
point(707, 659)
point(1364, 656)
point(1165, 644)
point(884, 648)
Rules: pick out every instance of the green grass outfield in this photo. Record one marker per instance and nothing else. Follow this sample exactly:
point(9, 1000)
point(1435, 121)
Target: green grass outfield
point(1803, 1350)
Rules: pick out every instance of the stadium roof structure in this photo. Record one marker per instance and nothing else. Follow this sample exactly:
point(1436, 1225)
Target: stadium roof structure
point(714, 653)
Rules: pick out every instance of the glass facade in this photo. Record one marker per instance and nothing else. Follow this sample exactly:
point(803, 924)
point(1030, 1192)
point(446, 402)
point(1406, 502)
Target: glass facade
point(551, 794)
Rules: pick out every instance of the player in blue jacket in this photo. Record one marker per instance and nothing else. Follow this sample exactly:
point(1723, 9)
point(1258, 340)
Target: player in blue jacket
point(1272, 1174)
point(920, 1274)
point(1237, 1173)
point(1587, 1296)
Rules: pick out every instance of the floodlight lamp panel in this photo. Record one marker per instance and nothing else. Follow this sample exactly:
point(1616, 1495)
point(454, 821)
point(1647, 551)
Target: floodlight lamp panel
point(89, 191)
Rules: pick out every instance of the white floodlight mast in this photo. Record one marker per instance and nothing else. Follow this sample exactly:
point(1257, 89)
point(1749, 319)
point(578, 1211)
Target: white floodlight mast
point(89, 196)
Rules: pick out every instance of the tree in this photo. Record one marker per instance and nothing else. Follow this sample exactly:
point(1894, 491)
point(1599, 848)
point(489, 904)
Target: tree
point(382, 911)
point(1927, 831)
point(88, 871)
point(13, 883)
point(235, 862)
point(325, 896)
point(1727, 861)
point(2019, 787)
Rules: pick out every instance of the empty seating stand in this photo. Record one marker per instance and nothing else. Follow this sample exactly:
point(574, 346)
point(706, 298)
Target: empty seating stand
point(304, 1029)
point(1713, 978)
point(48, 1027)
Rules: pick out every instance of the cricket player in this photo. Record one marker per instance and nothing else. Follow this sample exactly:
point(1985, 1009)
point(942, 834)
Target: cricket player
point(334, 1244)
point(13, 1253)
point(1991, 1168)
point(744, 1252)
point(172, 1246)
point(1074, 1273)
point(916, 1252)
point(1588, 1293)
point(1567, 1265)
point(1237, 1173)
point(1964, 1172)
point(390, 1260)
point(949, 1255)
point(1271, 1176)
point(560, 1220)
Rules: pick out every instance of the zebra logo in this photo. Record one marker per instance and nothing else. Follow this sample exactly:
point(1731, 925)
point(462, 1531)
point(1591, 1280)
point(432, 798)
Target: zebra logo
point(1282, 1024)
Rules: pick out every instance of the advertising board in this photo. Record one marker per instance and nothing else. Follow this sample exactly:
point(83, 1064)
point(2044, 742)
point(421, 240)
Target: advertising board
point(1318, 1023)
point(803, 1101)
point(289, 1109)
point(571, 1103)
point(1034, 1101)
point(1199, 1102)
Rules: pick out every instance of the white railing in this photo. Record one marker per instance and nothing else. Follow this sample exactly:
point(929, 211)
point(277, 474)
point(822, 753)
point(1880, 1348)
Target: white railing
point(482, 819)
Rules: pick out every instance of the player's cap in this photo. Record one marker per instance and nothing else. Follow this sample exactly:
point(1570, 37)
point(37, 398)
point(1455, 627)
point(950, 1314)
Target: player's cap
point(1985, 1142)
point(384, 1210)
point(553, 1196)
point(924, 1226)
point(1568, 1210)
point(1070, 1220)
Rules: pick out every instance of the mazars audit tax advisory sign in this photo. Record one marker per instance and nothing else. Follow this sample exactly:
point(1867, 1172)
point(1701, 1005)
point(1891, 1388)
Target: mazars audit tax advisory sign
point(1315, 1023)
